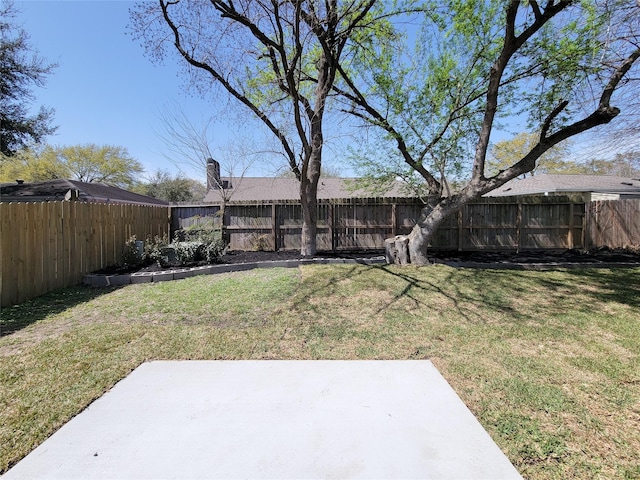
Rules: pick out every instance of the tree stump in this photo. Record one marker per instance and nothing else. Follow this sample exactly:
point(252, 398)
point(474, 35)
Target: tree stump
point(396, 250)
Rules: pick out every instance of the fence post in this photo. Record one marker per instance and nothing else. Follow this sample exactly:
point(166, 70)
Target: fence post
point(331, 221)
point(460, 217)
point(519, 226)
point(274, 227)
point(570, 236)
point(394, 219)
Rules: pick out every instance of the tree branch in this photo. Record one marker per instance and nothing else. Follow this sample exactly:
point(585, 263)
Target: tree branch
point(229, 87)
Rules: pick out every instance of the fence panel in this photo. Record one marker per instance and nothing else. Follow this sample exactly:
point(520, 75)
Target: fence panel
point(489, 226)
point(546, 226)
point(49, 245)
point(614, 223)
point(344, 224)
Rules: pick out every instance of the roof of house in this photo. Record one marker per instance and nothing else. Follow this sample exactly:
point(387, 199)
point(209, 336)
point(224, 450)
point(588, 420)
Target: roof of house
point(563, 183)
point(271, 189)
point(52, 190)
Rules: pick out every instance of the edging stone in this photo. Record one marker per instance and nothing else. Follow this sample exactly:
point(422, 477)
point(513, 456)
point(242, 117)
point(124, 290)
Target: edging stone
point(97, 280)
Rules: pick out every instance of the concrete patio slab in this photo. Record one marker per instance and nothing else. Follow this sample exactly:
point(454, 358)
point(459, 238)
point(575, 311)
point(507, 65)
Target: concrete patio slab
point(272, 419)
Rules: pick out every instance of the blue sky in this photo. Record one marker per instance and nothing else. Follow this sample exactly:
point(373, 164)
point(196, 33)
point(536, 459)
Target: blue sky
point(105, 91)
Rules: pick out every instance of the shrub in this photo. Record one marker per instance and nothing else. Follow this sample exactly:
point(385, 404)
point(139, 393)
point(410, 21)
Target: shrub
point(153, 249)
point(212, 252)
point(132, 254)
point(261, 243)
point(207, 235)
point(187, 252)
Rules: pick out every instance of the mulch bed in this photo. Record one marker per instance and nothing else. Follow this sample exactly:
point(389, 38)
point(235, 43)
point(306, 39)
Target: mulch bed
point(603, 255)
point(567, 256)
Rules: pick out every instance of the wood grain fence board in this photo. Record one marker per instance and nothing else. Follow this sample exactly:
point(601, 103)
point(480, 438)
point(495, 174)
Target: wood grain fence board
point(7, 246)
point(614, 223)
point(39, 246)
point(49, 245)
point(46, 240)
point(52, 229)
point(23, 267)
point(364, 223)
point(4, 247)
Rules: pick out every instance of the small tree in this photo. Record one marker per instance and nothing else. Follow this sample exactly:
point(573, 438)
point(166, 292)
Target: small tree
point(108, 164)
point(505, 153)
point(20, 69)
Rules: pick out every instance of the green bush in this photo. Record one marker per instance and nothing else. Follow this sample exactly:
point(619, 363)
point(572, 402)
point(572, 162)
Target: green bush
point(132, 256)
point(187, 252)
point(208, 237)
point(153, 249)
point(212, 252)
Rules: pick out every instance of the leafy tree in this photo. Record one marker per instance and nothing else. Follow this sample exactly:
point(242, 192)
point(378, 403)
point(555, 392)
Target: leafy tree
point(20, 69)
point(476, 63)
point(505, 153)
point(172, 188)
point(88, 163)
point(556, 160)
point(277, 59)
point(622, 164)
point(107, 164)
point(32, 165)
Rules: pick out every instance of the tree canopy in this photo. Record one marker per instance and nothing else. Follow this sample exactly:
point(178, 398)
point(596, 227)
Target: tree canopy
point(505, 153)
point(438, 95)
point(430, 81)
point(172, 188)
point(107, 164)
point(21, 68)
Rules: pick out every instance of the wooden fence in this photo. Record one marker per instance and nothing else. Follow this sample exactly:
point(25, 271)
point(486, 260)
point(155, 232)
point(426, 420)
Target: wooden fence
point(613, 223)
point(357, 224)
point(49, 245)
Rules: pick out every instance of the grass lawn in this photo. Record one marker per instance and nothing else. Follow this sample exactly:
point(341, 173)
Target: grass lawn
point(548, 361)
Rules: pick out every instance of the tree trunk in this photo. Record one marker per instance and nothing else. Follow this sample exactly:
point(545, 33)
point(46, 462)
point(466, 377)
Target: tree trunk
point(412, 248)
point(308, 247)
point(309, 201)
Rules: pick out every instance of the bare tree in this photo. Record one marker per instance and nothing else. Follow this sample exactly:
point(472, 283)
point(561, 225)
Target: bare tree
point(190, 144)
point(278, 59)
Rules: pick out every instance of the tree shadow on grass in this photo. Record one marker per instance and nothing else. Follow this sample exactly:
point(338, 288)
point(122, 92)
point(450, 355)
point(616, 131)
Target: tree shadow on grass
point(415, 286)
point(496, 289)
point(17, 317)
point(469, 292)
point(618, 284)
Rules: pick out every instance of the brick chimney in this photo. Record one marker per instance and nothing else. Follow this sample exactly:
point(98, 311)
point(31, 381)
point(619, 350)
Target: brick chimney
point(213, 174)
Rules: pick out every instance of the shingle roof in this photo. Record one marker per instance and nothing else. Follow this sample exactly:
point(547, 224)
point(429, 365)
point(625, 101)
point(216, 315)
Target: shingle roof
point(270, 189)
point(57, 190)
point(561, 183)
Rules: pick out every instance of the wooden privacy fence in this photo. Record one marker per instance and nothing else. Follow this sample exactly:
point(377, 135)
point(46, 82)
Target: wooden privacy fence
point(354, 224)
point(614, 223)
point(49, 245)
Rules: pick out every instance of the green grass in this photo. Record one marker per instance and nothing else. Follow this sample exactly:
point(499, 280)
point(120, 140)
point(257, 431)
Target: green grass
point(549, 361)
